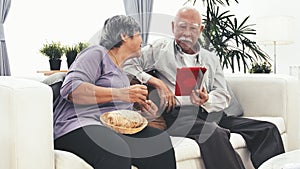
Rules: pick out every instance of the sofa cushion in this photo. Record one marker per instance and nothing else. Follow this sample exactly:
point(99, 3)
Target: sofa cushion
point(237, 141)
point(67, 160)
point(185, 148)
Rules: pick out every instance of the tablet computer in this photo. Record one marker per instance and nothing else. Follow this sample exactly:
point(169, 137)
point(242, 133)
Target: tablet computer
point(187, 79)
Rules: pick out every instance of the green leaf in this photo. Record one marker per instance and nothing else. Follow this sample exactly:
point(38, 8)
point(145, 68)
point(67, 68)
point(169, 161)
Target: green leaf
point(229, 38)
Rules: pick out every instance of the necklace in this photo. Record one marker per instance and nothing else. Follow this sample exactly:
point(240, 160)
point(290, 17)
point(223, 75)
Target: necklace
point(114, 57)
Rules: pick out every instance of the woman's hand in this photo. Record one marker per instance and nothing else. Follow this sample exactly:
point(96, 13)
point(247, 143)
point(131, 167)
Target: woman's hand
point(134, 93)
point(199, 97)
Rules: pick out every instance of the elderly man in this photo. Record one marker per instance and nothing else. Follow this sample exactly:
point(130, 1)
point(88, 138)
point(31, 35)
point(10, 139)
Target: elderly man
point(200, 116)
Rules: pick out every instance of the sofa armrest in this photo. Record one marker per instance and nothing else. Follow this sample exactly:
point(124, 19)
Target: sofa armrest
point(26, 112)
point(270, 95)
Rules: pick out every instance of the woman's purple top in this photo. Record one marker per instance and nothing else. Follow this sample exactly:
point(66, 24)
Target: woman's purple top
point(92, 65)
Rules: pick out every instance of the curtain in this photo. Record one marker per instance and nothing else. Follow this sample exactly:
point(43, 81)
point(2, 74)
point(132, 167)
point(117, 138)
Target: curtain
point(4, 63)
point(141, 11)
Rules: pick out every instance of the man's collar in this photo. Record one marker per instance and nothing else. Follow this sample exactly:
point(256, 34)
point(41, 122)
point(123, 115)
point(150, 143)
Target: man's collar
point(177, 48)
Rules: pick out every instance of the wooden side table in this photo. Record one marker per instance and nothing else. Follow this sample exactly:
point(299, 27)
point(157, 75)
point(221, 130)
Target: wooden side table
point(50, 72)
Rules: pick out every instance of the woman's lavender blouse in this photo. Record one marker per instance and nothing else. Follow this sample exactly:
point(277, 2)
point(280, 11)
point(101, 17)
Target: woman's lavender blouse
point(93, 65)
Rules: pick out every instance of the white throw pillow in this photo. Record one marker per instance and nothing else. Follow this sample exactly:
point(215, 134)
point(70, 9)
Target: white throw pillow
point(234, 108)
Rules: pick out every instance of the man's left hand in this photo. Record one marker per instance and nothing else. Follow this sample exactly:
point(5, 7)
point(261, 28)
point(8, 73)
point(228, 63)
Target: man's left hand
point(149, 110)
point(199, 97)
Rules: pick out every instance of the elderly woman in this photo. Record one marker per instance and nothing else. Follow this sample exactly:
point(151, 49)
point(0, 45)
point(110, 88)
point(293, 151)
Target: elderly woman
point(96, 84)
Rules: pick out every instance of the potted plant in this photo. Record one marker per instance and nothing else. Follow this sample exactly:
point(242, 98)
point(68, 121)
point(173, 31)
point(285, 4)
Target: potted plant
point(263, 67)
point(82, 45)
point(71, 53)
point(54, 51)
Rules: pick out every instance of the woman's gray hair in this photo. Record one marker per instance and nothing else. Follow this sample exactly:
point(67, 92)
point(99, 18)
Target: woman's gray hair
point(116, 26)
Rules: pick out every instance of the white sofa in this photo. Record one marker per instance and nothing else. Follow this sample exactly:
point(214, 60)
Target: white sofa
point(26, 139)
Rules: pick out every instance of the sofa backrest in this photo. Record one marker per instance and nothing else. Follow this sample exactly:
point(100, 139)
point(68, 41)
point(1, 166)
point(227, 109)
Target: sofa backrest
point(264, 94)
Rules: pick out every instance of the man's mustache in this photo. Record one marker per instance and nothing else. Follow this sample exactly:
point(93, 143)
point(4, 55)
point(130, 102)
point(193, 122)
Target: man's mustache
point(185, 39)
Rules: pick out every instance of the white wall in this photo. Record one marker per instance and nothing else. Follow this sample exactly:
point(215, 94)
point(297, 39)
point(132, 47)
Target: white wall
point(287, 55)
point(31, 23)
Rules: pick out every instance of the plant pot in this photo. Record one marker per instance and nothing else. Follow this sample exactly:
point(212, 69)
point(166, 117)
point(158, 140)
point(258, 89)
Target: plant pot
point(70, 60)
point(54, 64)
